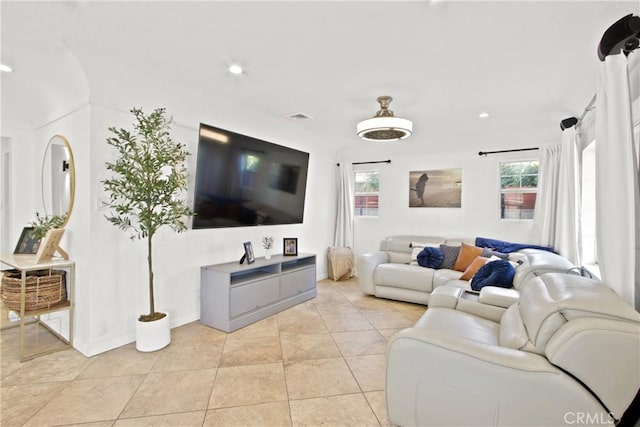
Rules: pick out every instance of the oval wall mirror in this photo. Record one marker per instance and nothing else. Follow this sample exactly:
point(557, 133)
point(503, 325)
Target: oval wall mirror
point(58, 178)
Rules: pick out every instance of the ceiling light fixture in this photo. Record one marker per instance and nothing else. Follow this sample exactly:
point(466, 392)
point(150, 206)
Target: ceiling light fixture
point(384, 126)
point(484, 115)
point(235, 69)
point(5, 68)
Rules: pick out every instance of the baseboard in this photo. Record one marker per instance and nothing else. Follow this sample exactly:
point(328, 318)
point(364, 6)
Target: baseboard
point(112, 343)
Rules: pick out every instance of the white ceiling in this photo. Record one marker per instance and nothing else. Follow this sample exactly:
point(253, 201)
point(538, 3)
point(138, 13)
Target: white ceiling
point(530, 64)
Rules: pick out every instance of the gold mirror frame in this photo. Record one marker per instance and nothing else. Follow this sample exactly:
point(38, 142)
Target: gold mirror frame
point(70, 164)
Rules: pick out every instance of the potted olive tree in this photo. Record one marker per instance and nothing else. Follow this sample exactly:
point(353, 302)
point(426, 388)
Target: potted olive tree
point(145, 193)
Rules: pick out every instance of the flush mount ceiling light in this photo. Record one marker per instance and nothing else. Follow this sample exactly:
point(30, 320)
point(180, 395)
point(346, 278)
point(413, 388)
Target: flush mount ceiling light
point(384, 126)
point(484, 115)
point(5, 68)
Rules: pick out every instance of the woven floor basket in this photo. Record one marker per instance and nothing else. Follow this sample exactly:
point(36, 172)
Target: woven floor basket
point(44, 289)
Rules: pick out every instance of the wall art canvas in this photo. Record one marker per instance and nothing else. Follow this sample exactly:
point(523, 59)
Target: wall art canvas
point(440, 188)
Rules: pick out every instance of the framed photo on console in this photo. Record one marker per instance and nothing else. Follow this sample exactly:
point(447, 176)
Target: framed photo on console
point(290, 245)
point(248, 253)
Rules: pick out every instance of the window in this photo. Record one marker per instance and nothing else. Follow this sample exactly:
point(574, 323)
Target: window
point(366, 193)
point(518, 189)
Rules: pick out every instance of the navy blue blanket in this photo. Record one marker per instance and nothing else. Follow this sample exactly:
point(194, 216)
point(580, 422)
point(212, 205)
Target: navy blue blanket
point(507, 247)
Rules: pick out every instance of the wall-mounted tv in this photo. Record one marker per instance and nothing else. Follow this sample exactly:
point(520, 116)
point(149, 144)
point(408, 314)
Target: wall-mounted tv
point(243, 181)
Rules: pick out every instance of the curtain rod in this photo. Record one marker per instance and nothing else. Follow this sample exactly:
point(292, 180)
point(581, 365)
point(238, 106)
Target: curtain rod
point(588, 108)
point(368, 163)
point(484, 153)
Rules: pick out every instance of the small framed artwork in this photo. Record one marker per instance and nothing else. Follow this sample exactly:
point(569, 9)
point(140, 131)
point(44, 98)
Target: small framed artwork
point(290, 245)
point(248, 253)
point(27, 244)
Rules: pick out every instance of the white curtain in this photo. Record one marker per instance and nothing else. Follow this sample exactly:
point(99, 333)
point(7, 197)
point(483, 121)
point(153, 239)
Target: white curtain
point(544, 217)
point(344, 219)
point(617, 197)
point(567, 239)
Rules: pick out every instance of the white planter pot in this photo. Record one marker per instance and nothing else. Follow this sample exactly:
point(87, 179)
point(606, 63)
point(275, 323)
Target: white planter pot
point(152, 336)
point(267, 254)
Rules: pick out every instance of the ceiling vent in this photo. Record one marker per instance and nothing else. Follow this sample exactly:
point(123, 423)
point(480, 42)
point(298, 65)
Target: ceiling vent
point(298, 116)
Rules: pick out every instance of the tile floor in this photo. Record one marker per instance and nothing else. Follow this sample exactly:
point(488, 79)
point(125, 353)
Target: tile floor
point(319, 363)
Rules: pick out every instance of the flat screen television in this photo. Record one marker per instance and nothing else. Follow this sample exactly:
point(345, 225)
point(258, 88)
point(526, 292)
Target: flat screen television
point(243, 181)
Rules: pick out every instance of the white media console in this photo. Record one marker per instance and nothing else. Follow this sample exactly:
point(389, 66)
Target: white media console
point(233, 295)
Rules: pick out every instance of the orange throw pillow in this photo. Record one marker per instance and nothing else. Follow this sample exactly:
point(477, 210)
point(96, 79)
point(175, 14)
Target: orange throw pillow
point(474, 267)
point(466, 256)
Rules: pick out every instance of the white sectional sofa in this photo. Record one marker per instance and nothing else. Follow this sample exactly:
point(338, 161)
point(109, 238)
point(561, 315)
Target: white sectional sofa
point(568, 352)
point(386, 273)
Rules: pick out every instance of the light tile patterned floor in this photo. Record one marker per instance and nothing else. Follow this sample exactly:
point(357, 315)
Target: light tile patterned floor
point(319, 363)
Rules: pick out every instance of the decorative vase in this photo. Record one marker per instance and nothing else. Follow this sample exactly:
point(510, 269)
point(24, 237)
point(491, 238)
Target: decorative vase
point(153, 336)
point(267, 254)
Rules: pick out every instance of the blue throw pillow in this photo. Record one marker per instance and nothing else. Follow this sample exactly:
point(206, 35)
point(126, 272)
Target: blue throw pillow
point(494, 273)
point(430, 257)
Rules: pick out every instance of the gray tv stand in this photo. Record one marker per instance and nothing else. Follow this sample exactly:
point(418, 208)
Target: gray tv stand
point(234, 295)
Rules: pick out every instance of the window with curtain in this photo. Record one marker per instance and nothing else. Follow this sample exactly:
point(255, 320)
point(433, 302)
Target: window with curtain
point(366, 193)
point(518, 189)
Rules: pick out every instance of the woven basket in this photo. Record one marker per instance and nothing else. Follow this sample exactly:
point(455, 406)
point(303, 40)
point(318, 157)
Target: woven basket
point(43, 289)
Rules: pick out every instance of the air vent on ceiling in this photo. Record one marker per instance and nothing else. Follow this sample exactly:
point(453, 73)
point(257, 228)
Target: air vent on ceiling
point(298, 116)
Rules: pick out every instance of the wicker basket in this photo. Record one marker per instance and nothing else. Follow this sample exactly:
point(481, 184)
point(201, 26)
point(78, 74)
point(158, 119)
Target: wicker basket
point(43, 289)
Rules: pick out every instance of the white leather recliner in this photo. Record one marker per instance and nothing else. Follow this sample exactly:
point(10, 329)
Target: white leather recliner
point(568, 352)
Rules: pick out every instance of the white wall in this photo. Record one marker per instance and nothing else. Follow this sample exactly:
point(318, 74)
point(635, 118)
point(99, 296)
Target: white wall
point(119, 283)
point(25, 172)
point(111, 279)
point(478, 216)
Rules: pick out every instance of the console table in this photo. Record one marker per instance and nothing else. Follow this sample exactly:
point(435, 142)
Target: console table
point(234, 295)
point(25, 263)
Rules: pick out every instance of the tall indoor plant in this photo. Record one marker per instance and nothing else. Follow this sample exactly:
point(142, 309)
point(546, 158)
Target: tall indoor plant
point(148, 180)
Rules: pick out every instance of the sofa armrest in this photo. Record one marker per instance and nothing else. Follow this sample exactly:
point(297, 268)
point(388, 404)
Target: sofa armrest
point(366, 265)
point(500, 297)
point(445, 296)
point(481, 352)
point(431, 375)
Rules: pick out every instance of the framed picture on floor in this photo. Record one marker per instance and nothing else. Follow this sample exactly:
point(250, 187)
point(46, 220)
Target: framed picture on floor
point(290, 245)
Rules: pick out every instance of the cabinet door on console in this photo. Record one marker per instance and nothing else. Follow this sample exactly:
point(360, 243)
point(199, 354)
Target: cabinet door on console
point(297, 282)
point(254, 295)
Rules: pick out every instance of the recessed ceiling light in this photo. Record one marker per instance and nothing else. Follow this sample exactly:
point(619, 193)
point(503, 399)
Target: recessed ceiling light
point(484, 115)
point(5, 68)
point(235, 69)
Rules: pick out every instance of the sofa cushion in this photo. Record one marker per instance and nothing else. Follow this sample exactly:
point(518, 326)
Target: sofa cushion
point(464, 325)
point(474, 267)
point(495, 273)
point(444, 276)
point(467, 254)
point(430, 257)
point(450, 256)
point(404, 276)
point(535, 262)
point(398, 248)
